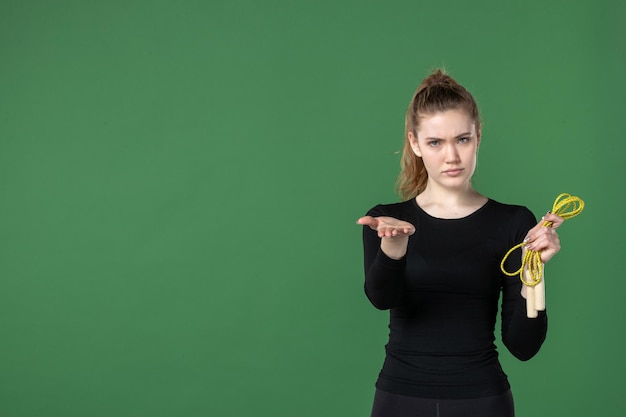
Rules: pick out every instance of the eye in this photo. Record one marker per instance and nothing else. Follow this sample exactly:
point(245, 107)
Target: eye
point(464, 140)
point(433, 143)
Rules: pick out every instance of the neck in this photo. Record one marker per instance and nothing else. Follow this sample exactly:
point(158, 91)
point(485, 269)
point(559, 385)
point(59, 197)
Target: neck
point(449, 197)
point(447, 203)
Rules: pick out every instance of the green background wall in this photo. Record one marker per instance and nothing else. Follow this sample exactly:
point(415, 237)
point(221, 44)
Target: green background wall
point(179, 183)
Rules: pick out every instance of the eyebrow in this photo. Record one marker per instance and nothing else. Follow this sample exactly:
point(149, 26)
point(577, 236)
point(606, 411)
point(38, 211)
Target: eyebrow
point(456, 137)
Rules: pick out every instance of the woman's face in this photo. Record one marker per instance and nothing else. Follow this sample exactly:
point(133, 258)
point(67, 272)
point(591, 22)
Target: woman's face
point(448, 143)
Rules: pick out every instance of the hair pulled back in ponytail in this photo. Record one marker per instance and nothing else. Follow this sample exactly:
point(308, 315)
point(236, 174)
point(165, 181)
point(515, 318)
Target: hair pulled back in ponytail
point(437, 93)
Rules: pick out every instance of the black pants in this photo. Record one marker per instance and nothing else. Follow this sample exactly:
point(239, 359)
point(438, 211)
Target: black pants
point(395, 405)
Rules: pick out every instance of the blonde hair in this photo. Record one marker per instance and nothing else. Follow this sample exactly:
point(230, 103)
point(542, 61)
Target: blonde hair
point(437, 93)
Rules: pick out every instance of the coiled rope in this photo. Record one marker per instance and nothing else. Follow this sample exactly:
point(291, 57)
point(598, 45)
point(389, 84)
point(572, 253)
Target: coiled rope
point(565, 206)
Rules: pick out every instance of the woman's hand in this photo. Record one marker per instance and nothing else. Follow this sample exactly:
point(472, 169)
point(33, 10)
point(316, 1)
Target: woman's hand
point(394, 234)
point(388, 226)
point(545, 240)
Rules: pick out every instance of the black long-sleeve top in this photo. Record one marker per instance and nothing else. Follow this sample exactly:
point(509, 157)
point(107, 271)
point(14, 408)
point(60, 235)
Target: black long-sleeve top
point(443, 300)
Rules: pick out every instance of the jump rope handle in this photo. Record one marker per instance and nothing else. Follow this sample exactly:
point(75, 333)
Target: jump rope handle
point(532, 269)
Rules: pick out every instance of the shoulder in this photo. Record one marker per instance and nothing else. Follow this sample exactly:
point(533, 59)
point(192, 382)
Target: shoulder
point(514, 214)
point(398, 210)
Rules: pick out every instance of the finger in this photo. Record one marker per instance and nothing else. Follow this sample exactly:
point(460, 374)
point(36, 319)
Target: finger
point(365, 220)
point(546, 242)
point(547, 254)
point(540, 227)
point(405, 231)
point(391, 231)
point(537, 243)
point(556, 220)
point(398, 232)
point(533, 233)
point(368, 221)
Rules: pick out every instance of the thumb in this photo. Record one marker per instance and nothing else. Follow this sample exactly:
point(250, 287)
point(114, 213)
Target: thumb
point(368, 221)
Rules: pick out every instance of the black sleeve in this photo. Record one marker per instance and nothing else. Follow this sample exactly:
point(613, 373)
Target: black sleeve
point(384, 277)
point(522, 336)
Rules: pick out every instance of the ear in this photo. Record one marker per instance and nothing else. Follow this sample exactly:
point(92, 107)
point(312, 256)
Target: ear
point(414, 145)
point(478, 135)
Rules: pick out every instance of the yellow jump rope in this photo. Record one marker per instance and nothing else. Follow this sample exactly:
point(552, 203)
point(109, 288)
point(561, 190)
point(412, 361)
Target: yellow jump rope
point(531, 271)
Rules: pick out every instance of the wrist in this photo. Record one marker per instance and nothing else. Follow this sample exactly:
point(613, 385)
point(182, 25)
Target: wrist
point(394, 247)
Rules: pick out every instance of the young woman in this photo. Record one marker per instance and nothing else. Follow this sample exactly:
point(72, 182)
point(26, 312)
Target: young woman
point(434, 260)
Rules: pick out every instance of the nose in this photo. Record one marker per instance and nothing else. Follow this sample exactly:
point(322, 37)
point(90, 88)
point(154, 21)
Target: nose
point(452, 155)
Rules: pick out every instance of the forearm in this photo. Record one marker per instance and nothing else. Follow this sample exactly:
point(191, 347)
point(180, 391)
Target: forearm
point(384, 268)
point(522, 336)
point(384, 281)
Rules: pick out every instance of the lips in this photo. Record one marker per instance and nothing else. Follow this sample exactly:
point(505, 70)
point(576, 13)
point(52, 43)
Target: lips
point(453, 171)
